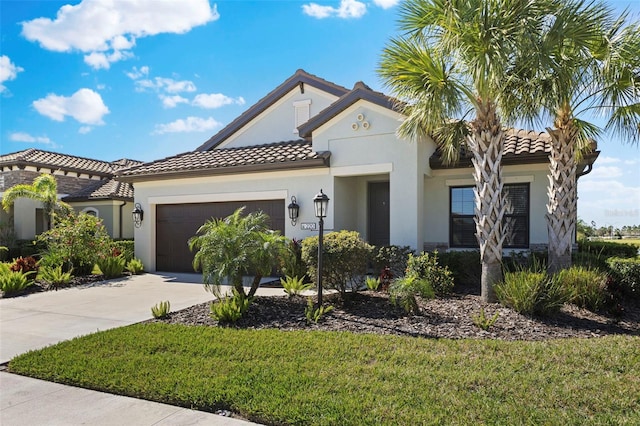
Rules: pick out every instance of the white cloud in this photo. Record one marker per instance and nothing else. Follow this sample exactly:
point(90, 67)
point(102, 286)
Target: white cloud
point(85, 106)
point(215, 100)
point(190, 124)
point(85, 129)
point(110, 28)
point(168, 85)
point(8, 71)
point(138, 73)
point(173, 101)
point(608, 160)
point(27, 138)
point(386, 4)
point(606, 172)
point(347, 9)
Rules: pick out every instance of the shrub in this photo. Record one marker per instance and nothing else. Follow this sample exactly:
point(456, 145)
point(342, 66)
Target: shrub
point(586, 288)
point(77, 240)
point(465, 266)
point(403, 292)
point(392, 257)
point(161, 310)
point(292, 263)
point(626, 272)
point(426, 267)
point(230, 308)
point(530, 293)
point(608, 249)
point(126, 248)
point(25, 264)
point(135, 266)
point(111, 266)
point(590, 260)
point(14, 282)
point(293, 286)
point(313, 313)
point(54, 276)
point(344, 260)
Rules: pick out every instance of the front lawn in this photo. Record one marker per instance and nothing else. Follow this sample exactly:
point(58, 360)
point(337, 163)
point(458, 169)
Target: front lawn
point(302, 377)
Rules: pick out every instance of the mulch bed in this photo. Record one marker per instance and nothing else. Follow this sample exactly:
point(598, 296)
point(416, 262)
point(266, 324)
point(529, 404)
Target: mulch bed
point(451, 318)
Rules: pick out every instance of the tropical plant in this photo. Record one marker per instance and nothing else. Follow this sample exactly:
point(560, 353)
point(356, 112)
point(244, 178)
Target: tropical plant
point(293, 286)
point(292, 263)
point(627, 274)
point(135, 266)
point(314, 313)
point(531, 293)
point(25, 264)
point(403, 292)
point(373, 283)
point(14, 282)
point(54, 276)
point(587, 62)
point(161, 310)
point(586, 288)
point(454, 60)
point(44, 189)
point(483, 321)
point(230, 308)
point(111, 266)
point(235, 246)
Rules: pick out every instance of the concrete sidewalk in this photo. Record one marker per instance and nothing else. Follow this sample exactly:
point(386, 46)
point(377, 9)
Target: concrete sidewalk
point(42, 319)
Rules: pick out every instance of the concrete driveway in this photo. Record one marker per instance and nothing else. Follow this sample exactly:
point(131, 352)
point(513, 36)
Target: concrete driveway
point(42, 319)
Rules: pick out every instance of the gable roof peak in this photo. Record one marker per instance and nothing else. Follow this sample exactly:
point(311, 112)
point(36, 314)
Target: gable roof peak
point(361, 85)
point(298, 79)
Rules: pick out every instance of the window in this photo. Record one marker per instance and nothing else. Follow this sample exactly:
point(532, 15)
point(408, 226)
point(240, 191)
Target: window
point(462, 227)
point(92, 211)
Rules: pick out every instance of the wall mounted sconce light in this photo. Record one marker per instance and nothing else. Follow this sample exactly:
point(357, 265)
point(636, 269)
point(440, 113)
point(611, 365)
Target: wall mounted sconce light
point(137, 214)
point(294, 210)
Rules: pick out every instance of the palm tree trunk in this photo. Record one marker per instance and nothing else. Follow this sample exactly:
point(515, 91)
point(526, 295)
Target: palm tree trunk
point(562, 191)
point(486, 144)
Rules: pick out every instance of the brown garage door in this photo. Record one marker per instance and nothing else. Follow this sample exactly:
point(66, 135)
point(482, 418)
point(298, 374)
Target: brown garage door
point(176, 223)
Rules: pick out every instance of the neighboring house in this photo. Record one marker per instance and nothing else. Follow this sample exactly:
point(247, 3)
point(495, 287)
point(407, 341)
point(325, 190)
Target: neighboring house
point(86, 184)
point(309, 134)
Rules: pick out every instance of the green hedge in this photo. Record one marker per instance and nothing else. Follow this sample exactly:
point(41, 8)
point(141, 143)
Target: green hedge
point(608, 249)
point(126, 247)
point(627, 273)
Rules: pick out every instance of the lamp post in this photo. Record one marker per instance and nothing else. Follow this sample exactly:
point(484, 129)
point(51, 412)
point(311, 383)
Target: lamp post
point(320, 202)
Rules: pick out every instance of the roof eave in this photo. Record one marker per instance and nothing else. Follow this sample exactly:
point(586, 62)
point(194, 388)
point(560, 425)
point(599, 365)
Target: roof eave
point(321, 161)
point(21, 164)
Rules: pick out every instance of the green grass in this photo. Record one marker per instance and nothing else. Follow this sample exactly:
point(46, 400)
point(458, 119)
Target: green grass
point(328, 378)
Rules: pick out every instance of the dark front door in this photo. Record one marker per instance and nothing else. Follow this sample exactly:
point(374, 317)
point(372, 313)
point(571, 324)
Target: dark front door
point(176, 223)
point(379, 213)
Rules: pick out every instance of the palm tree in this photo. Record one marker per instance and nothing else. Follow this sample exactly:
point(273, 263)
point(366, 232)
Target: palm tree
point(44, 189)
point(235, 246)
point(588, 61)
point(456, 59)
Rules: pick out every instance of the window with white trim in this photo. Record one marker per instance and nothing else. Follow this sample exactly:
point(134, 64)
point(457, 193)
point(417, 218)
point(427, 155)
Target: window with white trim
point(462, 226)
point(92, 211)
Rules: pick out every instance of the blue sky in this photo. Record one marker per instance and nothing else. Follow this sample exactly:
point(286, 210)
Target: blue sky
point(147, 79)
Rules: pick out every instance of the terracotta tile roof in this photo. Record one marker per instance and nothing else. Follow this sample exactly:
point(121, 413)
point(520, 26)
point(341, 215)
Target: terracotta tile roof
point(299, 79)
point(107, 189)
point(521, 146)
point(281, 155)
point(53, 160)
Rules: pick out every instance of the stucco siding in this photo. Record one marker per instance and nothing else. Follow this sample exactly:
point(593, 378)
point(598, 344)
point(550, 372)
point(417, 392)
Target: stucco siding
point(277, 123)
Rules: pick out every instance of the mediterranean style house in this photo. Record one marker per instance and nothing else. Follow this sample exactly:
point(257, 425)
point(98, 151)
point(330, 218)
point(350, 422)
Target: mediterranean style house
point(309, 134)
point(86, 184)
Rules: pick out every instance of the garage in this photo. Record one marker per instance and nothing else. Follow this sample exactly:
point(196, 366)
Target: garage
point(176, 223)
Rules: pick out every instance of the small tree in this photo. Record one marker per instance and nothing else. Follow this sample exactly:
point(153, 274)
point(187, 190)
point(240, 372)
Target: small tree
point(235, 246)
